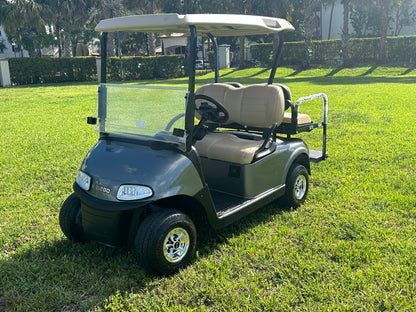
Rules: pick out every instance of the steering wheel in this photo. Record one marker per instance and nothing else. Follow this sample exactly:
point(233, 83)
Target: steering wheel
point(173, 120)
point(217, 114)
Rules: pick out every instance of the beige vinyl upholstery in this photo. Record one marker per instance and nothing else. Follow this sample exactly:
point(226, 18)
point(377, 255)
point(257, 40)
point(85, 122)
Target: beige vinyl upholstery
point(259, 105)
point(228, 147)
point(302, 118)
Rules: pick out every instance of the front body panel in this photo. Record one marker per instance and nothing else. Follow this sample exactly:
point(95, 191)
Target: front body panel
point(112, 163)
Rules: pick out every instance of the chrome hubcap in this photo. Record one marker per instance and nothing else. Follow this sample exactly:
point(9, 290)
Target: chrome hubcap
point(176, 245)
point(300, 187)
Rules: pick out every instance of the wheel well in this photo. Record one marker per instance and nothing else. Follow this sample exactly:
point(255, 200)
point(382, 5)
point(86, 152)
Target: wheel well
point(186, 204)
point(303, 160)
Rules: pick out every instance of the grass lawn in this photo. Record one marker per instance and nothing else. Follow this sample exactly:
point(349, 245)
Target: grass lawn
point(350, 247)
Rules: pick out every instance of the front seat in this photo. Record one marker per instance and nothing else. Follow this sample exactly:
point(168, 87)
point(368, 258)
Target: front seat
point(258, 107)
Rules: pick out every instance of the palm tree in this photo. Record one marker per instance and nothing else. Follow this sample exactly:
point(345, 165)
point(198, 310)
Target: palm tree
point(146, 7)
point(108, 9)
point(309, 27)
point(23, 23)
point(345, 33)
point(65, 14)
point(385, 9)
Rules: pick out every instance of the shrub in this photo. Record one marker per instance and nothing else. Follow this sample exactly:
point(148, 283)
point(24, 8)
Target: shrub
point(46, 70)
point(211, 59)
point(262, 53)
point(145, 67)
point(49, 70)
point(171, 66)
point(400, 51)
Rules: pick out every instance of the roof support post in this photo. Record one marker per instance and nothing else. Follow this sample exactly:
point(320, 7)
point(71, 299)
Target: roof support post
point(192, 58)
point(190, 97)
point(102, 90)
point(275, 63)
point(104, 37)
point(216, 57)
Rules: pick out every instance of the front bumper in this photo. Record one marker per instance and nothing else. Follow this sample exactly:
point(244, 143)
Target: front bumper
point(109, 223)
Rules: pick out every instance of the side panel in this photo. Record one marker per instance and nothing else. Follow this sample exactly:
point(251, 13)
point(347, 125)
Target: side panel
point(251, 180)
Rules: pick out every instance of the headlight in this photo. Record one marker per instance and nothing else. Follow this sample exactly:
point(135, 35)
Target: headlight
point(83, 180)
point(133, 192)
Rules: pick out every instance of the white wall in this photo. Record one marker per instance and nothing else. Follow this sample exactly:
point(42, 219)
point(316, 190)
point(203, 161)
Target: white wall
point(337, 21)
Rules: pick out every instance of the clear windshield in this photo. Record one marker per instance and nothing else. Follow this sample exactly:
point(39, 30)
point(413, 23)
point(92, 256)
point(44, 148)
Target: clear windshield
point(148, 112)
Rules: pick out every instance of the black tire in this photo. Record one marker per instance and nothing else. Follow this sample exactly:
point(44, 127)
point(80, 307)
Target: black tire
point(70, 219)
point(155, 245)
point(297, 186)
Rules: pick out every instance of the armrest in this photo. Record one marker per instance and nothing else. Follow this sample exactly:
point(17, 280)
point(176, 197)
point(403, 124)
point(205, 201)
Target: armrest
point(268, 144)
point(310, 98)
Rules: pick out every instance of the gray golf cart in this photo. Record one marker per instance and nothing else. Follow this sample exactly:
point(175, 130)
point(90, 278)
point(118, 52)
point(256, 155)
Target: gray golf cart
point(170, 160)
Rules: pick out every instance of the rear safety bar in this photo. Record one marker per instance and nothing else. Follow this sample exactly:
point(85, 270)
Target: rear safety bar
point(316, 156)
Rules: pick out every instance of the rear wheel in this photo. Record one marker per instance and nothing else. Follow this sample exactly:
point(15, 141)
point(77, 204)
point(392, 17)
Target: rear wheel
point(297, 186)
point(70, 219)
point(165, 241)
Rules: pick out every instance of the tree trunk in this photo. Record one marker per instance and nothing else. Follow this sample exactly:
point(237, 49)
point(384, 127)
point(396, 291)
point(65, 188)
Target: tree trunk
point(330, 20)
point(151, 46)
point(151, 42)
point(58, 39)
point(67, 39)
point(241, 64)
point(398, 26)
point(345, 34)
point(111, 46)
point(385, 6)
point(276, 42)
point(309, 27)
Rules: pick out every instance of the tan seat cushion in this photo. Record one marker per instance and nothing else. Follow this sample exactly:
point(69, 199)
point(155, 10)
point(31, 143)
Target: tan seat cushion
point(258, 105)
point(227, 147)
point(302, 118)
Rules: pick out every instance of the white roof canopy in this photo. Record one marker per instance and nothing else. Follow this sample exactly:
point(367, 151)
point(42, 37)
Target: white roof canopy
point(215, 24)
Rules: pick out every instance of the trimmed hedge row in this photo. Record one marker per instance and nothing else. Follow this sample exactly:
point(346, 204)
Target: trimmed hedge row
point(45, 70)
point(400, 50)
point(49, 70)
point(145, 67)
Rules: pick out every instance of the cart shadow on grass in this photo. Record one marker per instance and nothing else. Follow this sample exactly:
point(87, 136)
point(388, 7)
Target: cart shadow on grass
point(89, 273)
point(329, 79)
point(210, 240)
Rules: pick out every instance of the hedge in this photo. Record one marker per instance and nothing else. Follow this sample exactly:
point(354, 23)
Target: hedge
point(45, 70)
point(49, 70)
point(400, 50)
point(145, 67)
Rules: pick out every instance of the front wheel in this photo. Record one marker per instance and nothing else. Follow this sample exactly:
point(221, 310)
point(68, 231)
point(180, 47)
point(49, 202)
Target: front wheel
point(70, 219)
point(297, 186)
point(165, 241)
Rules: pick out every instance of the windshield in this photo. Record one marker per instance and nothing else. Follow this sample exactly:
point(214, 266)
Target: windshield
point(145, 112)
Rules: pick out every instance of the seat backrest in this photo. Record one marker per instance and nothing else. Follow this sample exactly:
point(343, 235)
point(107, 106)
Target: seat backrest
point(258, 105)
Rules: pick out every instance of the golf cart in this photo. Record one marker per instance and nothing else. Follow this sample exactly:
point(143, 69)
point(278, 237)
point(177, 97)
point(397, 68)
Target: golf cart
point(170, 160)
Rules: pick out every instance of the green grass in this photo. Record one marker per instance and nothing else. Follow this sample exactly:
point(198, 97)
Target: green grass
point(350, 247)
